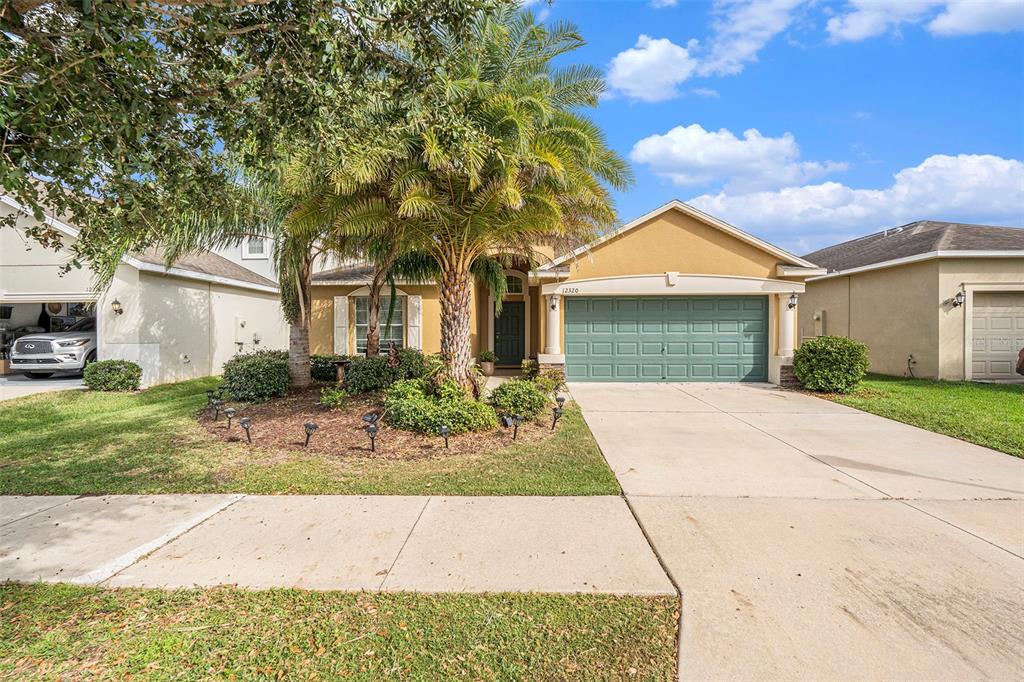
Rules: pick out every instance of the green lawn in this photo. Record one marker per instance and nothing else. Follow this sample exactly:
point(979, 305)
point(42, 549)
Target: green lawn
point(987, 414)
point(62, 632)
point(80, 442)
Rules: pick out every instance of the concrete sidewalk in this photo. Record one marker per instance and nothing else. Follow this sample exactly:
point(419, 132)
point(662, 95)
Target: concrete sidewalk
point(427, 544)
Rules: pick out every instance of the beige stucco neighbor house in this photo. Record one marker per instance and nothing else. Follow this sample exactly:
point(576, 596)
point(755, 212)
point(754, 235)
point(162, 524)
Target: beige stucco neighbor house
point(943, 300)
point(177, 323)
point(675, 295)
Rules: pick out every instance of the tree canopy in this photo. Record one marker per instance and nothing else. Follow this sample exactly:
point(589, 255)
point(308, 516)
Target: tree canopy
point(117, 114)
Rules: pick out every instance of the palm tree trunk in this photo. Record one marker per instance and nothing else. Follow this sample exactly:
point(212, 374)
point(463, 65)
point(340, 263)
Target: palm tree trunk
point(298, 333)
point(373, 310)
point(456, 291)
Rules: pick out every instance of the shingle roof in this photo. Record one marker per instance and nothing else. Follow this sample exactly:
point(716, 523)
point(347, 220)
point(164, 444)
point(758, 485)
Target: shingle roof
point(924, 236)
point(346, 273)
point(207, 264)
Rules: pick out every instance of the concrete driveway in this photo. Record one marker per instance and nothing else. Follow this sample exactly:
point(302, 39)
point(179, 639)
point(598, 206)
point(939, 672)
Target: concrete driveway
point(814, 541)
point(19, 385)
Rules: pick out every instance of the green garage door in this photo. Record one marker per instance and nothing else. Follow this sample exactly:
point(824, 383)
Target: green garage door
point(667, 338)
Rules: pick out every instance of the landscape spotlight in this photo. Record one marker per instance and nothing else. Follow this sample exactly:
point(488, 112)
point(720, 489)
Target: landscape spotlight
point(230, 414)
point(556, 414)
point(560, 400)
point(371, 417)
point(209, 396)
point(220, 392)
point(216, 404)
point(512, 420)
point(310, 428)
point(246, 423)
point(445, 432)
point(371, 431)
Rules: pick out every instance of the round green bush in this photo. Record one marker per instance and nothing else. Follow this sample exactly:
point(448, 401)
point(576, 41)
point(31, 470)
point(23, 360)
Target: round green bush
point(409, 406)
point(112, 375)
point(518, 396)
point(834, 364)
point(373, 374)
point(257, 377)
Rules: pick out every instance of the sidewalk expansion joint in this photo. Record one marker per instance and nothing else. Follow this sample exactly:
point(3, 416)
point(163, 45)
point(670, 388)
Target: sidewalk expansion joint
point(110, 569)
point(380, 588)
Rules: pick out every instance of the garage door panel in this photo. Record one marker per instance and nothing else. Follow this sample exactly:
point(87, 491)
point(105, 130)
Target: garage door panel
point(996, 324)
point(671, 338)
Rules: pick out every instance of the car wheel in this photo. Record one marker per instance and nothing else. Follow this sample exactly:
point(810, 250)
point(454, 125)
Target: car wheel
point(40, 375)
point(89, 359)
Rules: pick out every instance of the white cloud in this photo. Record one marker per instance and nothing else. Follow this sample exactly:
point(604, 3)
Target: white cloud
point(963, 17)
point(691, 155)
point(651, 70)
point(869, 18)
point(742, 28)
point(969, 187)
point(706, 92)
point(658, 4)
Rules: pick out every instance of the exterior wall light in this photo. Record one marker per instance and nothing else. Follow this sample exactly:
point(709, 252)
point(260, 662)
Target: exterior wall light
point(792, 301)
point(117, 307)
point(959, 299)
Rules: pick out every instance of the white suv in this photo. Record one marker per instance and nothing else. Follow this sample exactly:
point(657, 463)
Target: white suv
point(41, 355)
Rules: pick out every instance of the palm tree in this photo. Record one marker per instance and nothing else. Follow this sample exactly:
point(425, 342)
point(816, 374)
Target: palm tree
point(525, 167)
point(502, 160)
point(267, 206)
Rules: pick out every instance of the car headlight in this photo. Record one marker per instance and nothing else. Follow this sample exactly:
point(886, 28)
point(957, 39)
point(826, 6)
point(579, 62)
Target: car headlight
point(73, 342)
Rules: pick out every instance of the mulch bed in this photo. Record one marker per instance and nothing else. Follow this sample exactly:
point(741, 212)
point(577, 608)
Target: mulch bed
point(278, 424)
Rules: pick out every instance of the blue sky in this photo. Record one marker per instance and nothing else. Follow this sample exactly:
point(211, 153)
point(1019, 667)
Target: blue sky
point(808, 123)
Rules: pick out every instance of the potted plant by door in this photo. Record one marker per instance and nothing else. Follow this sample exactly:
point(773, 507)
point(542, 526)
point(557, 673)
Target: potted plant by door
point(487, 359)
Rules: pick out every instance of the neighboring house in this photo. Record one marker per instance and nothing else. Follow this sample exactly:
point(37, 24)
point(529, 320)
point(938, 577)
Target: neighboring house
point(177, 323)
point(675, 295)
point(943, 300)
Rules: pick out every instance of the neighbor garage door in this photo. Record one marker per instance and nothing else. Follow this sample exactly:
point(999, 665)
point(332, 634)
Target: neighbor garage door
point(667, 338)
point(998, 335)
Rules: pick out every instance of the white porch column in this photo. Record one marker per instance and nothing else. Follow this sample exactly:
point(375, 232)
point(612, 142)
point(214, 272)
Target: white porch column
point(553, 327)
point(787, 324)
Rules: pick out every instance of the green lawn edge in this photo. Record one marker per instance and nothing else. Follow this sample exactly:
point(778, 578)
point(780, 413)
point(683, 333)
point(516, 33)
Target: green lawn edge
point(65, 631)
point(88, 443)
point(991, 415)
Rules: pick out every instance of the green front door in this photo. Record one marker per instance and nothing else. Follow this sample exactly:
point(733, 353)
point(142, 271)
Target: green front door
point(510, 333)
point(666, 338)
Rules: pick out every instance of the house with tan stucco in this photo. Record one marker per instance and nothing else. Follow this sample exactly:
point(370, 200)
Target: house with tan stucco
point(930, 299)
point(675, 295)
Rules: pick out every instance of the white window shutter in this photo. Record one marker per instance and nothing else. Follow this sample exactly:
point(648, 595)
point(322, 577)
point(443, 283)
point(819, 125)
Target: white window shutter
point(415, 322)
point(341, 325)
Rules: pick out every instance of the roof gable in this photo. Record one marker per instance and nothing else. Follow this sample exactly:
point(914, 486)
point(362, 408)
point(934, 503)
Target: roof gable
point(676, 205)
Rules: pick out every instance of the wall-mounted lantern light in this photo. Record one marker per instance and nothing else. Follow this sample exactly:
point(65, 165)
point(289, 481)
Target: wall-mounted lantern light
point(959, 299)
point(792, 301)
point(117, 307)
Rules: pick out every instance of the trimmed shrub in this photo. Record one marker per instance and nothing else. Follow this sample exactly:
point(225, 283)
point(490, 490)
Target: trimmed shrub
point(410, 406)
point(517, 396)
point(332, 396)
point(322, 367)
point(257, 377)
point(529, 368)
point(373, 374)
point(112, 375)
point(550, 381)
point(830, 363)
point(370, 374)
